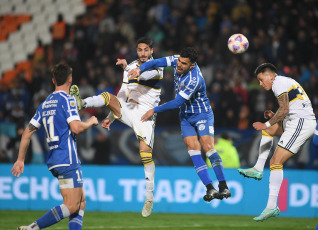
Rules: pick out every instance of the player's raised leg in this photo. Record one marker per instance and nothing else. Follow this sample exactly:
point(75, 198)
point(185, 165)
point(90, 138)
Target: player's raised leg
point(149, 167)
point(103, 99)
point(266, 144)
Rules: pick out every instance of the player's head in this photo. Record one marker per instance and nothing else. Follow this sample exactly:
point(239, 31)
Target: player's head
point(266, 74)
point(62, 73)
point(187, 59)
point(144, 49)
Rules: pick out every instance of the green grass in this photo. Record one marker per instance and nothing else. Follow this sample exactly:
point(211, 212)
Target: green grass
point(160, 221)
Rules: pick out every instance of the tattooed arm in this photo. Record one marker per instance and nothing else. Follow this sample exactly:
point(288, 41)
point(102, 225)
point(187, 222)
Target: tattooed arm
point(18, 166)
point(282, 111)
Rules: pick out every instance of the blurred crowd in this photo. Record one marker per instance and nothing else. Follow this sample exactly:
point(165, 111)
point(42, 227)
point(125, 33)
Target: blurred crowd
point(284, 33)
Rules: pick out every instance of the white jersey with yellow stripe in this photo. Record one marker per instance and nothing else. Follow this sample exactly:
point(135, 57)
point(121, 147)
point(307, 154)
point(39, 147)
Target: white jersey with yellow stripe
point(147, 90)
point(299, 103)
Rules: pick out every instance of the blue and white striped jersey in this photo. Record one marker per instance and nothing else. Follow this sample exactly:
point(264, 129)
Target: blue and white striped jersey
point(191, 87)
point(55, 114)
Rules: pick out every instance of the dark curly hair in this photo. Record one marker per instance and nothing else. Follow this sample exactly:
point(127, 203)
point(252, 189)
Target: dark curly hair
point(265, 67)
point(146, 40)
point(60, 73)
point(189, 52)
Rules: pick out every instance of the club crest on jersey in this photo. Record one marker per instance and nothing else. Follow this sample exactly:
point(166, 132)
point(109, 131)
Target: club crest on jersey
point(201, 127)
point(72, 103)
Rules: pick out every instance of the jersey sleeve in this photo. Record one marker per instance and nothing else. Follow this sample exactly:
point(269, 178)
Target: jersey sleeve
point(190, 85)
point(280, 87)
point(160, 62)
point(36, 120)
point(172, 60)
point(70, 109)
point(149, 74)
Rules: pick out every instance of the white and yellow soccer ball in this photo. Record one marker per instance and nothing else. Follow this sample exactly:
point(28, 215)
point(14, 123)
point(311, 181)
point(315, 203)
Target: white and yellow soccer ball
point(237, 43)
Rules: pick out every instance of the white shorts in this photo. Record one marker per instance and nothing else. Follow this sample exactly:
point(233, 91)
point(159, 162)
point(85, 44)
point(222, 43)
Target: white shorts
point(296, 132)
point(131, 114)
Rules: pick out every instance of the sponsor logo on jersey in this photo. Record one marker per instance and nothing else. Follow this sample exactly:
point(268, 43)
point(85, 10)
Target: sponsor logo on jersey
point(201, 121)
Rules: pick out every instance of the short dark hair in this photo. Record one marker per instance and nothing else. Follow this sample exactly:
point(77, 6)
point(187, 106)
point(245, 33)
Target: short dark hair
point(146, 40)
point(60, 73)
point(189, 52)
point(265, 67)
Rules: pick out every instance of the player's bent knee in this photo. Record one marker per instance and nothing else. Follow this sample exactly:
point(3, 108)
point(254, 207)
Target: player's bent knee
point(83, 204)
point(146, 157)
point(72, 207)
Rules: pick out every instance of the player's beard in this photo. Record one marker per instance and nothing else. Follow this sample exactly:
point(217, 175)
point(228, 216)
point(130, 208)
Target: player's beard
point(144, 59)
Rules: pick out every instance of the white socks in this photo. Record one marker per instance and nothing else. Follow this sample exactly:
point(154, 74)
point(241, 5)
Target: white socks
point(150, 179)
point(275, 181)
point(94, 102)
point(264, 149)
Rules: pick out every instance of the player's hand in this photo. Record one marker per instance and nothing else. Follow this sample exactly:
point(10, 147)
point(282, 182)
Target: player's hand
point(122, 63)
point(17, 168)
point(259, 126)
point(106, 123)
point(147, 115)
point(268, 114)
point(134, 73)
point(93, 120)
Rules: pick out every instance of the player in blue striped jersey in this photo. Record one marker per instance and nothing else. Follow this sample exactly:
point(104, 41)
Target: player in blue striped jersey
point(59, 116)
point(196, 115)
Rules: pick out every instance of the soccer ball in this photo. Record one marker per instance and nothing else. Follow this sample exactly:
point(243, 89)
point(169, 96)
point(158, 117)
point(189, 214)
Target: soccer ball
point(237, 43)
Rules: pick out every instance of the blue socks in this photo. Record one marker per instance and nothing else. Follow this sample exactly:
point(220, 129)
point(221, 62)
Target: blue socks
point(200, 166)
point(217, 164)
point(53, 216)
point(58, 213)
point(76, 220)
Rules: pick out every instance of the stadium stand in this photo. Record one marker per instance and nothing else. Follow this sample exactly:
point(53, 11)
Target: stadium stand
point(99, 32)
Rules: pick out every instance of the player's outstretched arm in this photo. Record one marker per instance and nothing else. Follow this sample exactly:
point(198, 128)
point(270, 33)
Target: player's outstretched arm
point(160, 62)
point(173, 104)
point(282, 111)
point(81, 126)
point(134, 73)
point(18, 166)
point(147, 115)
point(122, 63)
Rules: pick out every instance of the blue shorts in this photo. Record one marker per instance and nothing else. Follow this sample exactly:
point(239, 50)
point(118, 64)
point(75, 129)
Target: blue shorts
point(200, 124)
point(68, 178)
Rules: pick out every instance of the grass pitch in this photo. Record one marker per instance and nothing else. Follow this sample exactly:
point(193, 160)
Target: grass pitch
point(160, 221)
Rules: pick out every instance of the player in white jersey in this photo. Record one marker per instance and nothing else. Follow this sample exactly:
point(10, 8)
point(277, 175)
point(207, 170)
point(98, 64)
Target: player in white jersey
point(294, 122)
point(59, 116)
point(132, 101)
